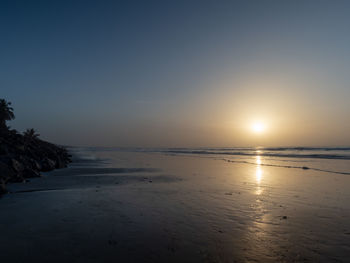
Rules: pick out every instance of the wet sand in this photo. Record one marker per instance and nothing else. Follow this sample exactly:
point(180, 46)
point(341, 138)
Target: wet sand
point(148, 207)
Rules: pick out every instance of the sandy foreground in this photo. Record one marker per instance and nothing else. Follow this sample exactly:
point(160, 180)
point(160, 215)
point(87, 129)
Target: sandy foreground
point(148, 207)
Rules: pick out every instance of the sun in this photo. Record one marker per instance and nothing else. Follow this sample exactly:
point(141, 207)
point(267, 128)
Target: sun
point(258, 127)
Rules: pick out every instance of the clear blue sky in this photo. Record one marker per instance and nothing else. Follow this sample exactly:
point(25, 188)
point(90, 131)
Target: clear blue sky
point(178, 73)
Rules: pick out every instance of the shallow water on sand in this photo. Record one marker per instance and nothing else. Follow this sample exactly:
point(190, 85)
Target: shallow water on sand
point(125, 206)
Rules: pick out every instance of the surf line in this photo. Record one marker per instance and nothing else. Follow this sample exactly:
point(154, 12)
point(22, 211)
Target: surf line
point(284, 166)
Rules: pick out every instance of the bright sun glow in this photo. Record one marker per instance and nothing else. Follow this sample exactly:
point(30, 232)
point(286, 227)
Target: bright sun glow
point(258, 127)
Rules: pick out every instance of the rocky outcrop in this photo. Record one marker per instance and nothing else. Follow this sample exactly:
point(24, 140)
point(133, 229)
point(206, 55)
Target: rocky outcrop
point(22, 157)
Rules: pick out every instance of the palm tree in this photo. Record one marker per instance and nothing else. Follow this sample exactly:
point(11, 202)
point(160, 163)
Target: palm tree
point(31, 134)
point(6, 113)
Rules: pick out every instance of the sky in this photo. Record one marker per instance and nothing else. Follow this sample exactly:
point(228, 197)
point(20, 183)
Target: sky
point(178, 73)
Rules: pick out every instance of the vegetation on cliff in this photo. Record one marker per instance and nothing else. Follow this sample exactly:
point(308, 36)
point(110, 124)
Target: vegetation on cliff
point(24, 155)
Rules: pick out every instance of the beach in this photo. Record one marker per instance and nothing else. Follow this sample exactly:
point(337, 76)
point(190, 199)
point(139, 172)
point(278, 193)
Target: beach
point(122, 205)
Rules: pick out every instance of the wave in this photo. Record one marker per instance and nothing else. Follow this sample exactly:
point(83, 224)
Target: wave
point(285, 152)
point(341, 153)
point(288, 166)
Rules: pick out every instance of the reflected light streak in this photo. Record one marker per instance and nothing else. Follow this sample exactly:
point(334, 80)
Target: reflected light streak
point(258, 160)
point(258, 174)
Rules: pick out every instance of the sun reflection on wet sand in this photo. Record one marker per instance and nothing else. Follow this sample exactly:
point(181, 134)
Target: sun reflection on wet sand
point(259, 227)
point(258, 175)
point(258, 160)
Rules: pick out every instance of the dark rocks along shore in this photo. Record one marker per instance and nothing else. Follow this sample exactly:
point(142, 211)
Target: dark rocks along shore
point(23, 157)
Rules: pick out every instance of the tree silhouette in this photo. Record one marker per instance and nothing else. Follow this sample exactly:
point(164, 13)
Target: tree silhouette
point(31, 134)
point(6, 113)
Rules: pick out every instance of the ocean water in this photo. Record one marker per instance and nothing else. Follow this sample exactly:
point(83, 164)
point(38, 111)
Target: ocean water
point(279, 152)
point(326, 159)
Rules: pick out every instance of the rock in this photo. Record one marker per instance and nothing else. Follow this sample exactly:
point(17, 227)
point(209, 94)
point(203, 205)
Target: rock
point(2, 187)
point(60, 163)
point(29, 173)
point(6, 172)
point(20, 148)
point(47, 165)
point(17, 166)
point(17, 178)
point(37, 165)
point(3, 149)
point(21, 158)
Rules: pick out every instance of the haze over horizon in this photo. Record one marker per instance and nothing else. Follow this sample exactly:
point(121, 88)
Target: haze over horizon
point(178, 73)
